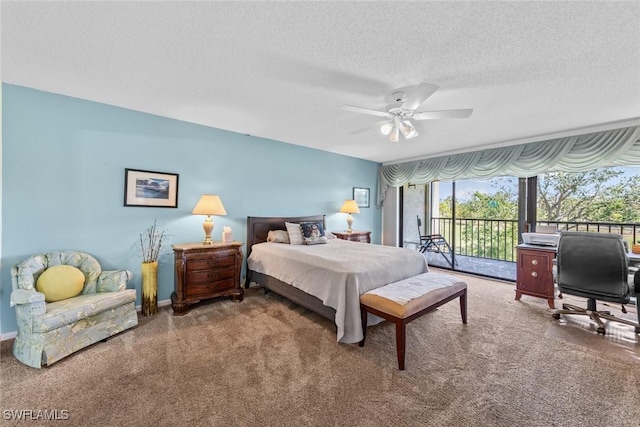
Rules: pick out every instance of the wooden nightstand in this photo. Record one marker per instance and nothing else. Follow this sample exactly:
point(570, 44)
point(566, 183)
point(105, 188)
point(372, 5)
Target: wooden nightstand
point(203, 272)
point(354, 236)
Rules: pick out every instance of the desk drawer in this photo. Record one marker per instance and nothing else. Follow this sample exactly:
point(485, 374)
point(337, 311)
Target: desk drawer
point(535, 262)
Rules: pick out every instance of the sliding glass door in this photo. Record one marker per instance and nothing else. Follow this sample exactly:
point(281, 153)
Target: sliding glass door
point(473, 224)
point(481, 221)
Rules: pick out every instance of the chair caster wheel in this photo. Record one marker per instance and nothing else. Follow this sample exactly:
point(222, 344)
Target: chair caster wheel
point(556, 316)
point(601, 331)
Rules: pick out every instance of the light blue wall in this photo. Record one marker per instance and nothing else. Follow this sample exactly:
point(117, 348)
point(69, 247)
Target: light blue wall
point(63, 165)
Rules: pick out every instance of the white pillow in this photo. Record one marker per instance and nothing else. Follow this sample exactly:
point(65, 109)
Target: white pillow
point(329, 235)
point(278, 236)
point(295, 233)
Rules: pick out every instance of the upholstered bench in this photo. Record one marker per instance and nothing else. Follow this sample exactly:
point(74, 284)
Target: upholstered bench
point(403, 301)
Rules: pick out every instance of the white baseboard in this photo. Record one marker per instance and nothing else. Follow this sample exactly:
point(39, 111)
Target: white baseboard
point(162, 303)
point(8, 335)
point(11, 335)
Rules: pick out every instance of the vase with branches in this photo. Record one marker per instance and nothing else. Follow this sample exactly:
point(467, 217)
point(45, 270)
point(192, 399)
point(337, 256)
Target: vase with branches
point(150, 244)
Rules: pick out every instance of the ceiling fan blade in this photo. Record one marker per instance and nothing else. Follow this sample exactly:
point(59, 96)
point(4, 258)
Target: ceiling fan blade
point(364, 111)
point(443, 114)
point(419, 95)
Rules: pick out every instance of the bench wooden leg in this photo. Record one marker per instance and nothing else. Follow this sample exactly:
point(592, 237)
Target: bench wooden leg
point(401, 323)
point(363, 314)
point(463, 307)
point(400, 341)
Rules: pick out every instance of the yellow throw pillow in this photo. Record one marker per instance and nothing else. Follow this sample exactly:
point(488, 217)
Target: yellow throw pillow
point(60, 282)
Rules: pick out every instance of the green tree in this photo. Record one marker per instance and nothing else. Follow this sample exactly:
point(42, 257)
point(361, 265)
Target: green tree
point(477, 235)
point(601, 195)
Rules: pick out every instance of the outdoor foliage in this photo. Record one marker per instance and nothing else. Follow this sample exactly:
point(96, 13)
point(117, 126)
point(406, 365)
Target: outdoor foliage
point(603, 195)
point(481, 230)
point(502, 204)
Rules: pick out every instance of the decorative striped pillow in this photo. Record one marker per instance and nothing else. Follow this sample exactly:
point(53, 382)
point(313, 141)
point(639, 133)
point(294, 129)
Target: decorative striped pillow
point(295, 233)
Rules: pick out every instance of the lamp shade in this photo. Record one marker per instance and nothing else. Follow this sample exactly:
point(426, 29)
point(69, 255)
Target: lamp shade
point(209, 205)
point(350, 207)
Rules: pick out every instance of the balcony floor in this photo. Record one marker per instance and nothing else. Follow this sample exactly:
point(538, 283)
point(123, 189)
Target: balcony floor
point(505, 270)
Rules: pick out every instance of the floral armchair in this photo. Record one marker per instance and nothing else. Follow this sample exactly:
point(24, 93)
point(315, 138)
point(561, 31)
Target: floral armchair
point(49, 331)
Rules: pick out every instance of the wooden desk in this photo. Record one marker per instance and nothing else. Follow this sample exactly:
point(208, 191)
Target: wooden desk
point(534, 272)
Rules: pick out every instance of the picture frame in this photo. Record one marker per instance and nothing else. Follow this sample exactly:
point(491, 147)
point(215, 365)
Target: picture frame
point(150, 189)
point(361, 196)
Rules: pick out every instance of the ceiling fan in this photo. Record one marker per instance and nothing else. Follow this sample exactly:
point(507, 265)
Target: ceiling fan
point(399, 118)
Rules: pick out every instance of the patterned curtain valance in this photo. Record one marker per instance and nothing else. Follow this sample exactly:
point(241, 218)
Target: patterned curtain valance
point(617, 147)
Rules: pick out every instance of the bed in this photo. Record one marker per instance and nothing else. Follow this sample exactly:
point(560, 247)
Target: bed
point(328, 279)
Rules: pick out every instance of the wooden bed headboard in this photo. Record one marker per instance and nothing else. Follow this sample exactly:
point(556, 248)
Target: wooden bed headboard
point(258, 227)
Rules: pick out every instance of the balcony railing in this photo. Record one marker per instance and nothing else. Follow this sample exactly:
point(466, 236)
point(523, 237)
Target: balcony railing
point(497, 238)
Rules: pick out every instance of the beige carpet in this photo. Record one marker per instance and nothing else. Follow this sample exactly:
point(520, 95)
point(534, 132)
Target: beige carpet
point(267, 362)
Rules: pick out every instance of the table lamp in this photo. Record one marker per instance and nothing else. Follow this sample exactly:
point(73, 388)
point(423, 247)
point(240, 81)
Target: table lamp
point(349, 207)
point(209, 205)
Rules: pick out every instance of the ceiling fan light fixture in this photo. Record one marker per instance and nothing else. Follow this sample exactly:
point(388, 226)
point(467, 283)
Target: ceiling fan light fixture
point(394, 136)
point(408, 130)
point(398, 118)
point(386, 128)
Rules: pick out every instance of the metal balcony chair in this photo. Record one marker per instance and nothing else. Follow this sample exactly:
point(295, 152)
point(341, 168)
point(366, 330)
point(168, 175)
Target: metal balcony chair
point(434, 243)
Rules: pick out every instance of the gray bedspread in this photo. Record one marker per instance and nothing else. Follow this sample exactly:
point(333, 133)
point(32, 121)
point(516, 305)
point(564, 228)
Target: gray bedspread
point(337, 273)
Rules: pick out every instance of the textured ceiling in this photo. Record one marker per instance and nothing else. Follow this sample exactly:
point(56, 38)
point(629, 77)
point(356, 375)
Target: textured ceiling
point(281, 70)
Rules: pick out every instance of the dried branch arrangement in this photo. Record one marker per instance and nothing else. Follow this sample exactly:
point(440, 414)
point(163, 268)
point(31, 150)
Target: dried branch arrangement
point(151, 243)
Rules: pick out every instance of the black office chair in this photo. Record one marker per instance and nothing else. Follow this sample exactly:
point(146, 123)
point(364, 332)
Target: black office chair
point(595, 266)
point(434, 243)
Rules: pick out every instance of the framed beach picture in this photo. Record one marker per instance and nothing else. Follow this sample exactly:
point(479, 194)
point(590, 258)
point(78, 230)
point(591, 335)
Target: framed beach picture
point(361, 196)
point(150, 189)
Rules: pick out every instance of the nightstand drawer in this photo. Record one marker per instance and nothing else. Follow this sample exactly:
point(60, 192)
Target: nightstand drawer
point(204, 276)
point(195, 290)
point(207, 263)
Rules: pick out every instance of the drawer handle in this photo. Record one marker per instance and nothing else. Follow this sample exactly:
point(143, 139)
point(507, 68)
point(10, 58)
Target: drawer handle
point(534, 274)
point(534, 261)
